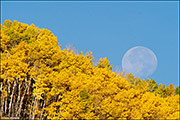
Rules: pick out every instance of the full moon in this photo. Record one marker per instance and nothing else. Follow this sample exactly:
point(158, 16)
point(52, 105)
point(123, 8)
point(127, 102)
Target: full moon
point(140, 61)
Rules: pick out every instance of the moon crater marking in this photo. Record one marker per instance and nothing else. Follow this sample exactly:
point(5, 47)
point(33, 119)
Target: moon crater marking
point(140, 61)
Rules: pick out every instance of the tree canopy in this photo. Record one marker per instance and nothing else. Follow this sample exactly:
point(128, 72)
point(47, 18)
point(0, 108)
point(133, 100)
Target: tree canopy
point(40, 80)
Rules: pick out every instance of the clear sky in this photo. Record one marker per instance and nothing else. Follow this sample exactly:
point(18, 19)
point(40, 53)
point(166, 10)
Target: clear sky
point(109, 29)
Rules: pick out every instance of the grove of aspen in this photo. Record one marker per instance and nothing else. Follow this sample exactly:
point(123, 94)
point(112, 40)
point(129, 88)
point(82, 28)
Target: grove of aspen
point(40, 80)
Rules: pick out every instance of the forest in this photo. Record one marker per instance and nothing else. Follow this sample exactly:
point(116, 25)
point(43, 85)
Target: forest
point(39, 80)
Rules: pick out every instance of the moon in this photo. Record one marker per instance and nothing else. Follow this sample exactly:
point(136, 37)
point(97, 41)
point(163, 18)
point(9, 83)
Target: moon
point(140, 61)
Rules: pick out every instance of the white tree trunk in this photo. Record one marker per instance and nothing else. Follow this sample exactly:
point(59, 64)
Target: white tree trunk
point(42, 110)
point(11, 100)
point(19, 97)
point(21, 102)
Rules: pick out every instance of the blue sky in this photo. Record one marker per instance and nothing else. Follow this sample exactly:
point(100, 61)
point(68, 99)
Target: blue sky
point(109, 29)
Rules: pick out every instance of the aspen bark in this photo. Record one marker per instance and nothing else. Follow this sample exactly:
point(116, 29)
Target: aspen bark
point(19, 97)
point(2, 105)
point(13, 106)
point(31, 107)
point(2, 100)
point(15, 100)
point(32, 104)
point(25, 92)
point(5, 105)
point(28, 87)
point(6, 98)
point(36, 104)
point(1, 86)
point(21, 102)
point(42, 110)
point(11, 100)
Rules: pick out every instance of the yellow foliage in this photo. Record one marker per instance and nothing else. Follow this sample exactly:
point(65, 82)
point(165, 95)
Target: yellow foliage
point(62, 84)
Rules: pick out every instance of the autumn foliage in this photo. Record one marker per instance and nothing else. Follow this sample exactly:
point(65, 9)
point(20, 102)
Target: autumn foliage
point(39, 80)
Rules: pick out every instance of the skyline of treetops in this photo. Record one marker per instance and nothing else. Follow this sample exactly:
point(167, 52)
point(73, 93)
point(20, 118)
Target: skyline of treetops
point(41, 80)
